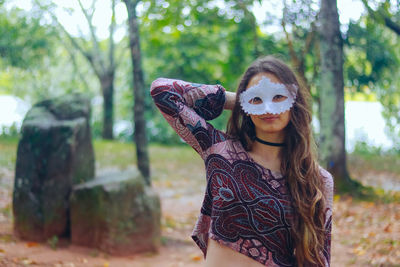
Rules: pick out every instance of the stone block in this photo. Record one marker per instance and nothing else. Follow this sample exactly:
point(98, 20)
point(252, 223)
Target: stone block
point(54, 153)
point(116, 213)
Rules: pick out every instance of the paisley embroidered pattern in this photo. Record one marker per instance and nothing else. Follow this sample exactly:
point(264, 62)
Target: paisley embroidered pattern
point(245, 207)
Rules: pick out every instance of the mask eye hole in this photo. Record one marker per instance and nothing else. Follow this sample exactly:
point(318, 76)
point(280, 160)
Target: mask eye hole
point(256, 101)
point(279, 98)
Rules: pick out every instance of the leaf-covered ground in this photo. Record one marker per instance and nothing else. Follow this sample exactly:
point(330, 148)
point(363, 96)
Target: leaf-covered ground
point(364, 233)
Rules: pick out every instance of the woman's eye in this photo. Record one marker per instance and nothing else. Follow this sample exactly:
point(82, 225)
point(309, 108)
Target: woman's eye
point(256, 100)
point(279, 98)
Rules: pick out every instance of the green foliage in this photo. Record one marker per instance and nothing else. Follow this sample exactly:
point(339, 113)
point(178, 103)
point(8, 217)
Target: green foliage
point(385, 12)
point(373, 57)
point(372, 53)
point(197, 41)
point(9, 131)
point(362, 148)
point(96, 127)
point(15, 48)
point(160, 131)
point(29, 57)
point(53, 241)
point(177, 49)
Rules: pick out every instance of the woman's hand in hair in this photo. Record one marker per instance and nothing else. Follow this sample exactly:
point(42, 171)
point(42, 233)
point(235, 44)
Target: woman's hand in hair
point(230, 100)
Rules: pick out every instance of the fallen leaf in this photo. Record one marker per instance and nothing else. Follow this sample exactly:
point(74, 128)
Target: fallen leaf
point(28, 261)
point(195, 257)
point(371, 234)
point(388, 228)
point(32, 244)
point(336, 198)
point(359, 251)
point(368, 205)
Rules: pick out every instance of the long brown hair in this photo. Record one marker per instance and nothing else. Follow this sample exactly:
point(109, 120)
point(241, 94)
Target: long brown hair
point(298, 161)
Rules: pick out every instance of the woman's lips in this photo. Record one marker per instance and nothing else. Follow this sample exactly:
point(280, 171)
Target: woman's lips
point(269, 118)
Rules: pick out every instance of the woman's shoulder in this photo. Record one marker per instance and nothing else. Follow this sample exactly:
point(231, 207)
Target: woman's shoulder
point(325, 173)
point(327, 179)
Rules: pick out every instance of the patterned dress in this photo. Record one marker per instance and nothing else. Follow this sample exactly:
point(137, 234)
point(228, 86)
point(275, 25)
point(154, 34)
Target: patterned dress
point(246, 206)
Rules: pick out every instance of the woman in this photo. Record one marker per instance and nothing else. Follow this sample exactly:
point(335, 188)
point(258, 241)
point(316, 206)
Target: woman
point(267, 201)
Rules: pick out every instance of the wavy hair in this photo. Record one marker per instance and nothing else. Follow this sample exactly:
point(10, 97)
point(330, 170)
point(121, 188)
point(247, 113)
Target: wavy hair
point(298, 161)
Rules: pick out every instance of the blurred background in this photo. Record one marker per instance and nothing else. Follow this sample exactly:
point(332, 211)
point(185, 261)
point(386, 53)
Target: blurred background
point(52, 48)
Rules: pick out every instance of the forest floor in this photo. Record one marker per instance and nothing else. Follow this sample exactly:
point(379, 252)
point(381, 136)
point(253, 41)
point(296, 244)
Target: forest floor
point(364, 233)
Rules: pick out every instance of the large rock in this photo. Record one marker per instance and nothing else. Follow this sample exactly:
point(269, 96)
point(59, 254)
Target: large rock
point(54, 153)
point(116, 213)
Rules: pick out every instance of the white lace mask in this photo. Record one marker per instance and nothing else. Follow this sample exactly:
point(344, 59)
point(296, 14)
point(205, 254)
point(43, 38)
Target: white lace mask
point(259, 99)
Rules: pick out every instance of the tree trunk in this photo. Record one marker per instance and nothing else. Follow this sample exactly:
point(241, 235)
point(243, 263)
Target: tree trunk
point(107, 88)
point(332, 133)
point(138, 91)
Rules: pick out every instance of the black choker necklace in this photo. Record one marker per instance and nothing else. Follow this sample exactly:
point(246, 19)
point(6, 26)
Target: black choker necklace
point(269, 143)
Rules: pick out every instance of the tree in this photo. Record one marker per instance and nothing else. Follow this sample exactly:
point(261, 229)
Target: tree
point(332, 134)
point(138, 91)
point(103, 63)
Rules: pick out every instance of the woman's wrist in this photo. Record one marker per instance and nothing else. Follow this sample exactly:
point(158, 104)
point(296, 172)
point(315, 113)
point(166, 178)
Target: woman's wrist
point(230, 99)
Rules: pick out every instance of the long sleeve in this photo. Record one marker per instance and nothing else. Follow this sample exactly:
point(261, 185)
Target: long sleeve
point(328, 181)
point(187, 107)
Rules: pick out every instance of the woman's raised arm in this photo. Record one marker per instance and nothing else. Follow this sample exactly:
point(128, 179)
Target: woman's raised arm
point(187, 107)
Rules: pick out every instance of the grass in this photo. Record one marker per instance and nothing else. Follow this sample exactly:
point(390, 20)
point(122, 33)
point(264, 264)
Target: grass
point(373, 166)
point(361, 193)
point(374, 162)
point(113, 153)
point(165, 161)
point(374, 158)
point(8, 152)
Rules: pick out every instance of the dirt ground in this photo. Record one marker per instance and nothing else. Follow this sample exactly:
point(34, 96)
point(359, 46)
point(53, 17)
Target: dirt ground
point(364, 234)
